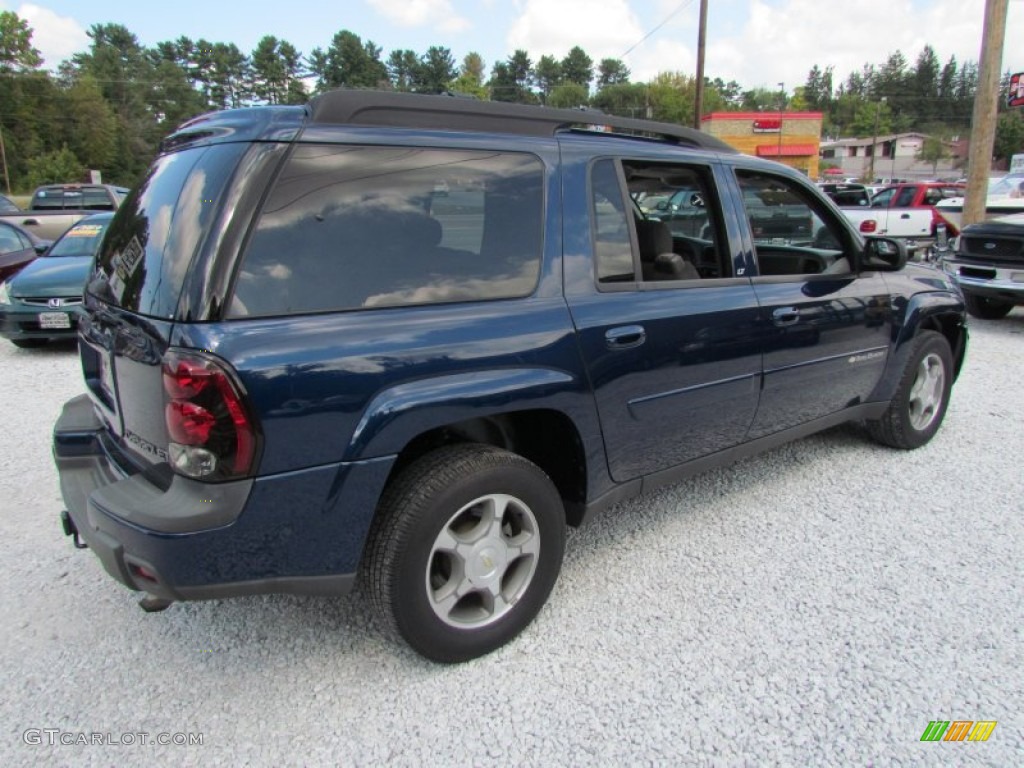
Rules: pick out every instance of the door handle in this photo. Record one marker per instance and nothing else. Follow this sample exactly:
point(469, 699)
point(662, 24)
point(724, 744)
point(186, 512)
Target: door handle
point(785, 315)
point(905, 216)
point(30, 222)
point(625, 337)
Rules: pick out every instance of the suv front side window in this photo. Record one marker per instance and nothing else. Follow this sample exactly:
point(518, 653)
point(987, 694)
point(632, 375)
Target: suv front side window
point(792, 234)
point(349, 227)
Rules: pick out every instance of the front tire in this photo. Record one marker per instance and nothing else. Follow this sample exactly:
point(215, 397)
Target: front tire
point(986, 308)
point(465, 550)
point(919, 405)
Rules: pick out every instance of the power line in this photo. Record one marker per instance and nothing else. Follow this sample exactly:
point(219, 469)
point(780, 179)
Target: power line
point(663, 23)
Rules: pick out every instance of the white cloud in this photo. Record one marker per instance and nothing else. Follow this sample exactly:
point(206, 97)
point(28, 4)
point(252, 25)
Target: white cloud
point(781, 41)
point(602, 28)
point(55, 37)
point(419, 13)
point(662, 56)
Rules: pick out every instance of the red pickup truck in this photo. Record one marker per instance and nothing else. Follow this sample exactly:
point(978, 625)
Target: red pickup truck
point(904, 210)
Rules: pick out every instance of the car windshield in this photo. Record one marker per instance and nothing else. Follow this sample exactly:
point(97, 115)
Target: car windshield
point(80, 240)
point(1007, 185)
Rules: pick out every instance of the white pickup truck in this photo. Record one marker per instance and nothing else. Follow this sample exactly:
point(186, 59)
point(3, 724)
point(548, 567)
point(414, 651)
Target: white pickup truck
point(905, 210)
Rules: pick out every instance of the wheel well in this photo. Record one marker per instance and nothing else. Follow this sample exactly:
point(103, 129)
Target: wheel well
point(547, 438)
point(952, 328)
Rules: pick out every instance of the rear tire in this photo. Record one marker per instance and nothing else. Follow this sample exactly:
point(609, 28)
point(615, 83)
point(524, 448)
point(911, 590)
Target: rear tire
point(919, 405)
point(986, 308)
point(465, 549)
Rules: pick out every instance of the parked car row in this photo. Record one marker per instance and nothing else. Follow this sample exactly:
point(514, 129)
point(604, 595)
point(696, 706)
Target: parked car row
point(41, 299)
point(55, 207)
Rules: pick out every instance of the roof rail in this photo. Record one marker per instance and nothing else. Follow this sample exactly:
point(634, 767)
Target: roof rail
point(406, 110)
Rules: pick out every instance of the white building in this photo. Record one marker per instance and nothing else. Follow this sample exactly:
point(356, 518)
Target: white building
point(895, 157)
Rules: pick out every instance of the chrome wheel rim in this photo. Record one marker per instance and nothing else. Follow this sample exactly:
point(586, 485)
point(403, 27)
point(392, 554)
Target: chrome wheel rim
point(926, 393)
point(482, 561)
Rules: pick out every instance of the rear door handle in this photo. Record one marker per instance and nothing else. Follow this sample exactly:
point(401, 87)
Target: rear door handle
point(30, 222)
point(625, 337)
point(785, 315)
point(905, 216)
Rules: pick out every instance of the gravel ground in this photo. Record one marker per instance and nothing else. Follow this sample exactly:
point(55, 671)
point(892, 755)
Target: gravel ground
point(818, 605)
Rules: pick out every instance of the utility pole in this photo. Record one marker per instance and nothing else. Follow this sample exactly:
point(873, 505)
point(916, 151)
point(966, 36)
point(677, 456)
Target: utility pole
point(3, 157)
point(698, 106)
point(874, 141)
point(986, 108)
point(782, 106)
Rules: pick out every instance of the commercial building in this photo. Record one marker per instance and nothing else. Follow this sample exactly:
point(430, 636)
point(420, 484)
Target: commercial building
point(792, 138)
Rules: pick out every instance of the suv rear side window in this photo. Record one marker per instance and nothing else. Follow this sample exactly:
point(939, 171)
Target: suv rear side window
point(359, 227)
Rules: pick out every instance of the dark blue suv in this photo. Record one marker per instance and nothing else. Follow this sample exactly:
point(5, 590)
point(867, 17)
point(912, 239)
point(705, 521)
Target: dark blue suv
point(408, 339)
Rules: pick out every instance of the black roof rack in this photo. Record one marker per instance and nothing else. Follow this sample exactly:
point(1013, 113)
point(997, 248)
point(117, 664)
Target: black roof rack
point(406, 110)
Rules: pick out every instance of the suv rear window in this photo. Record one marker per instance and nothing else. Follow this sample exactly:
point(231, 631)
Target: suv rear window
point(350, 227)
point(157, 230)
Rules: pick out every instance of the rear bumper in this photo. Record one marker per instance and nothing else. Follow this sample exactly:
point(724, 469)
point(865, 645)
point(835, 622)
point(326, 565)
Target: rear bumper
point(298, 533)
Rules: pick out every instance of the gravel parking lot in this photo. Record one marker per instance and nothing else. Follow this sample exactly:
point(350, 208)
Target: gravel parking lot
point(818, 605)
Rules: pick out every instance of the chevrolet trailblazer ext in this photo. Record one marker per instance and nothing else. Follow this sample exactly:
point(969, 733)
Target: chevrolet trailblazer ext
point(304, 367)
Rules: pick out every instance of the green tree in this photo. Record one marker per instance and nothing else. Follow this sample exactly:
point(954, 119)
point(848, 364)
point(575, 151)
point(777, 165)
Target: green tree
point(731, 93)
point(923, 84)
point(54, 168)
point(276, 68)
point(1009, 135)
point(91, 126)
point(402, 66)
point(623, 99)
point(671, 96)
point(817, 90)
point(569, 96)
point(511, 79)
point(933, 151)
point(611, 72)
point(548, 75)
point(348, 63)
point(471, 76)
point(578, 67)
point(124, 71)
point(16, 51)
point(435, 72)
point(762, 100)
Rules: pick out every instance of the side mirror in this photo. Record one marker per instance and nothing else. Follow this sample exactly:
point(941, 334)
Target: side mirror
point(884, 254)
point(42, 247)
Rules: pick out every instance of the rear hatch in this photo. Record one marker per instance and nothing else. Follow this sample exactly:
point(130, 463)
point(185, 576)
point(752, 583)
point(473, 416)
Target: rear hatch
point(133, 295)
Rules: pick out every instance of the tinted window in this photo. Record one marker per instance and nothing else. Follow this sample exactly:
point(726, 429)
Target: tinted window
point(6, 206)
point(96, 200)
point(678, 239)
point(156, 231)
point(48, 200)
point(11, 240)
point(612, 248)
point(906, 197)
point(359, 227)
point(793, 233)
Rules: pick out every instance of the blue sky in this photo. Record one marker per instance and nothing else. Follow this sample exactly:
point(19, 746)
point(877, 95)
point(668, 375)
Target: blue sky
point(756, 42)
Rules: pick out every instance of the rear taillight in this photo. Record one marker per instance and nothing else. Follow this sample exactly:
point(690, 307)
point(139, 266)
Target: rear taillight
point(212, 434)
point(868, 225)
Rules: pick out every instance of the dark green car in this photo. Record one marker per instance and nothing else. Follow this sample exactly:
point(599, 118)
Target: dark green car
point(43, 301)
